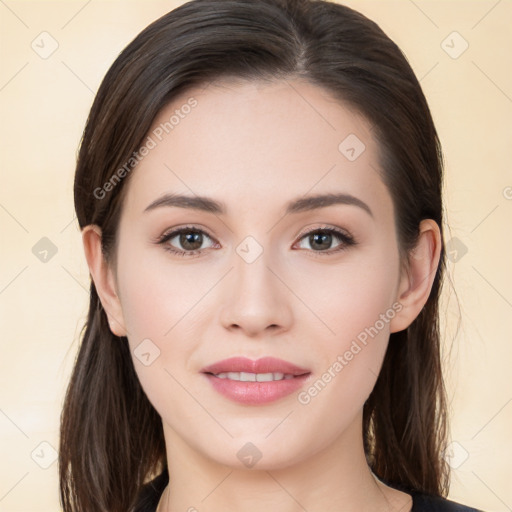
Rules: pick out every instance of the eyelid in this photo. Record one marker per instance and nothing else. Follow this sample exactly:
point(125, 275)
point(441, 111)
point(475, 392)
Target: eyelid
point(173, 232)
point(324, 227)
point(178, 229)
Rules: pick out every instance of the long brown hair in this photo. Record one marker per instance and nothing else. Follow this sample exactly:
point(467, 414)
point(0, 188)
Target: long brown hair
point(111, 440)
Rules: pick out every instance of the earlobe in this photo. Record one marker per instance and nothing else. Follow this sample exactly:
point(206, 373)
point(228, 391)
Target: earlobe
point(103, 277)
point(416, 281)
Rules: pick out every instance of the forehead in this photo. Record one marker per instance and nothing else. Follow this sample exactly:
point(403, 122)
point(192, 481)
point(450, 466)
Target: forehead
point(257, 141)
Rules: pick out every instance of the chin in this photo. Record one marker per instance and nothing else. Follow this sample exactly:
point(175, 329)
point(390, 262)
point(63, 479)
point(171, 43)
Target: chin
point(258, 453)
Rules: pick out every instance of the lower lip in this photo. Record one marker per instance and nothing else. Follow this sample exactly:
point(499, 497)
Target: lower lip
point(256, 393)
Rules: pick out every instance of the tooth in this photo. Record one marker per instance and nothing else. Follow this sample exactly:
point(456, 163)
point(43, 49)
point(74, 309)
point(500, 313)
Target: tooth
point(247, 377)
point(264, 377)
point(254, 377)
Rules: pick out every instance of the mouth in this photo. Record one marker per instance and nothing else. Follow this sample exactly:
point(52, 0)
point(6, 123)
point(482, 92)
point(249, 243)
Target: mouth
point(253, 377)
point(257, 382)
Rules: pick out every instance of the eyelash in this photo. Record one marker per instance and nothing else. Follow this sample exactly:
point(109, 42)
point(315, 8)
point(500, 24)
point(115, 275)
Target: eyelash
point(345, 239)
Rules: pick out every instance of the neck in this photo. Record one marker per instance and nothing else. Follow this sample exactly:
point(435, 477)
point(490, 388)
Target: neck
point(333, 479)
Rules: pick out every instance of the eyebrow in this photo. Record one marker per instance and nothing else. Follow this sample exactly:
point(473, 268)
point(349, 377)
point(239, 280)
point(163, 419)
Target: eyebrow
point(302, 204)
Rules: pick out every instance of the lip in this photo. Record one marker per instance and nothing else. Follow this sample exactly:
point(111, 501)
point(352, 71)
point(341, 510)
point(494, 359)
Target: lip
point(263, 365)
point(255, 393)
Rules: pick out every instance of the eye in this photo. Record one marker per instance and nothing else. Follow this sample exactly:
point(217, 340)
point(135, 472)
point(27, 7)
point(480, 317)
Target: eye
point(320, 240)
point(190, 239)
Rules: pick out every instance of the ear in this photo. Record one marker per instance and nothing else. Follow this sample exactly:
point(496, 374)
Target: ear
point(103, 277)
point(416, 281)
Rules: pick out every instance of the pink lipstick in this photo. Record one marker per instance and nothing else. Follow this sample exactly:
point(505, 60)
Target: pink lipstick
point(255, 382)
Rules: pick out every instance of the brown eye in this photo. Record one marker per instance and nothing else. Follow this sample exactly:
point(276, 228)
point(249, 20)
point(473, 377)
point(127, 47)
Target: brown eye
point(321, 240)
point(190, 240)
point(186, 241)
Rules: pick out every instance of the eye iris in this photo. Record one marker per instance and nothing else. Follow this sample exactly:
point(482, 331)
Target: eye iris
point(189, 238)
point(317, 239)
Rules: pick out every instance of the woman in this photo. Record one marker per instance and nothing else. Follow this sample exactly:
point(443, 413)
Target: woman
point(259, 193)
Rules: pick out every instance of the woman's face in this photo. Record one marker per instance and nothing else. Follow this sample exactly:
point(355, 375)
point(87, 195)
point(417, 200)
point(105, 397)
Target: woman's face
point(255, 275)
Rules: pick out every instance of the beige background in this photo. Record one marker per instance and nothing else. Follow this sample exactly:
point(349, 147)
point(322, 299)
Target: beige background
point(44, 103)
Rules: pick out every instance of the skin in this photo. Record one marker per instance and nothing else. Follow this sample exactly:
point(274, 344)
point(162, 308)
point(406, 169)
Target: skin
point(255, 146)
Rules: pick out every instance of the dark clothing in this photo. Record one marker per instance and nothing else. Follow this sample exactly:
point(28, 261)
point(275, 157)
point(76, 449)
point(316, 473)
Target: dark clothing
point(425, 503)
point(150, 493)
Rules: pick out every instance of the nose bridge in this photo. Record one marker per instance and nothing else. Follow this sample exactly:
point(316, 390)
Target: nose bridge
point(256, 298)
point(252, 274)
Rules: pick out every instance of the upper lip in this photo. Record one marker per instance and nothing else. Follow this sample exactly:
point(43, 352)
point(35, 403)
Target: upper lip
point(263, 365)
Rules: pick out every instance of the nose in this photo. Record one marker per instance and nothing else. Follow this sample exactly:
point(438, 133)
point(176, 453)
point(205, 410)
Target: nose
point(255, 299)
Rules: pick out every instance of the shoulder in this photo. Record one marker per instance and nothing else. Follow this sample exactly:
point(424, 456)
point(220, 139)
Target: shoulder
point(428, 503)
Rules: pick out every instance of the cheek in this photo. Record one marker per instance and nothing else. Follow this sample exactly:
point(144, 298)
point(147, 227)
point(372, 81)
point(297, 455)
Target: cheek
point(353, 302)
point(348, 297)
point(357, 307)
point(163, 306)
point(158, 306)
point(157, 295)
